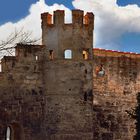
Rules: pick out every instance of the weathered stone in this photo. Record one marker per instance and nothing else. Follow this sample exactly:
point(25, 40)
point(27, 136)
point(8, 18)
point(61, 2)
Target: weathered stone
point(45, 96)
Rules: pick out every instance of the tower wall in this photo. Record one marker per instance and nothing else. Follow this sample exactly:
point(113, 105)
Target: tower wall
point(68, 82)
point(76, 36)
point(68, 100)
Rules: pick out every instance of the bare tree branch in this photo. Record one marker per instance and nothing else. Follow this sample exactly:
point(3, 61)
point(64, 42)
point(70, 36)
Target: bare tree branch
point(18, 36)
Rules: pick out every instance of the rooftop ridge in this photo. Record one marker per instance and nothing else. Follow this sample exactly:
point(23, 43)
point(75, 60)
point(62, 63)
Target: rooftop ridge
point(115, 51)
point(9, 57)
point(28, 45)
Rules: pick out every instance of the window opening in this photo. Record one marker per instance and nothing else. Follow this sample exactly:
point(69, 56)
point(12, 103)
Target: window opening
point(36, 58)
point(8, 133)
point(0, 66)
point(68, 54)
point(85, 96)
point(51, 54)
point(13, 64)
point(85, 71)
point(85, 54)
point(100, 70)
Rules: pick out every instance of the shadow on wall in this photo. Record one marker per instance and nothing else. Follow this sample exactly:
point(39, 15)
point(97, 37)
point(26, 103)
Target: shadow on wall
point(135, 114)
point(137, 117)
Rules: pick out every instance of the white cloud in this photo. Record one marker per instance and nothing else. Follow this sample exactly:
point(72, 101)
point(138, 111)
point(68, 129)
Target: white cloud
point(32, 22)
point(111, 20)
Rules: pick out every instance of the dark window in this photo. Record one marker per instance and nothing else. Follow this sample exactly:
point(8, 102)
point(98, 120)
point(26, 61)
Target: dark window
point(85, 71)
point(85, 96)
point(51, 54)
point(13, 64)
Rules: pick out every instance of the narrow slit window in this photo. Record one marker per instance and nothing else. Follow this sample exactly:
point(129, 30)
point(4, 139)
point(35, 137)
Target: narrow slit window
point(13, 64)
point(36, 58)
point(8, 133)
point(68, 54)
point(85, 96)
point(51, 54)
point(0, 66)
point(85, 55)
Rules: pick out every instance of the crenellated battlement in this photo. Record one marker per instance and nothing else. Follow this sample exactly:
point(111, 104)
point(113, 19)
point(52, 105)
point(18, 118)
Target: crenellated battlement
point(7, 63)
point(46, 18)
point(89, 19)
point(26, 49)
point(60, 37)
point(58, 18)
point(22, 51)
point(77, 17)
point(8, 58)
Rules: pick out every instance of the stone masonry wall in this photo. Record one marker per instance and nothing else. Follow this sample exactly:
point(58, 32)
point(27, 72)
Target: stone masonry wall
point(68, 82)
point(115, 90)
point(76, 99)
point(68, 113)
point(21, 94)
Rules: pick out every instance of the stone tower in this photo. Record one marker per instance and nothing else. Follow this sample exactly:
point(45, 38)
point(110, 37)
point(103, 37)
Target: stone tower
point(68, 75)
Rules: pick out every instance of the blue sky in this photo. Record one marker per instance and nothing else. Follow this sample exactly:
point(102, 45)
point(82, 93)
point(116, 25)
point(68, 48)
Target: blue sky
point(15, 10)
point(126, 2)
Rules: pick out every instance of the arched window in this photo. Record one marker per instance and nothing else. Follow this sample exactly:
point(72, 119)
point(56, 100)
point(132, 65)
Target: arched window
point(68, 54)
point(14, 132)
point(85, 54)
point(8, 133)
